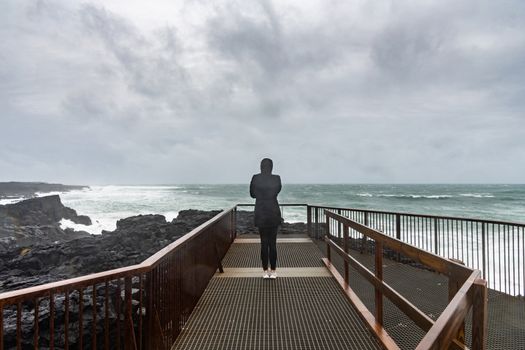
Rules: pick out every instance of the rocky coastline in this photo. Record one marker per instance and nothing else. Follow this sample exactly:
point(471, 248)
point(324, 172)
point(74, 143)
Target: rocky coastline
point(14, 189)
point(34, 249)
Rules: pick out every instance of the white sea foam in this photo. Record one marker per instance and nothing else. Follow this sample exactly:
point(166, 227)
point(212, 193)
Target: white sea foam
point(94, 229)
point(10, 200)
point(170, 215)
point(416, 196)
point(365, 195)
point(477, 195)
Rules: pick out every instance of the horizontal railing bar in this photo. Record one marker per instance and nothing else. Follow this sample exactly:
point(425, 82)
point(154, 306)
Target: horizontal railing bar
point(62, 286)
point(497, 222)
point(452, 317)
point(438, 263)
point(416, 315)
point(427, 216)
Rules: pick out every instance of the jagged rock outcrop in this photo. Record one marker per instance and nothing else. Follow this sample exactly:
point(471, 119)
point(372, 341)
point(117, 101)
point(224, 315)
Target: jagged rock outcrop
point(36, 221)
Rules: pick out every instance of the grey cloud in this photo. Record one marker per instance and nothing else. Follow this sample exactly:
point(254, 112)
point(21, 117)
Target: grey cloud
point(406, 92)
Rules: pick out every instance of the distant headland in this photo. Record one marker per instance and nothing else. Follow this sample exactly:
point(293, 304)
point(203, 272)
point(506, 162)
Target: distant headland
point(29, 189)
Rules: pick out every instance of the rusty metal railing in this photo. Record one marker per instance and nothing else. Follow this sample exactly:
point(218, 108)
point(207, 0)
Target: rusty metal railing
point(145, 306)
point(467, 290)
point(142, 306)
point(496, 248)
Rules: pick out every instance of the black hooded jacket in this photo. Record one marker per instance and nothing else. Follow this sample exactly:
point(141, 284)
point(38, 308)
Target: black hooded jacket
point(265, 188)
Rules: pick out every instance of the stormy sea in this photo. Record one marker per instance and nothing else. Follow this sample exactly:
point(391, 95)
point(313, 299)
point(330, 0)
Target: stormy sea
point(106, 204)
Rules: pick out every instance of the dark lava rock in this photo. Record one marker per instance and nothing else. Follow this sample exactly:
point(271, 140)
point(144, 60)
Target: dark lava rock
point(40, 211)
point(36, 221)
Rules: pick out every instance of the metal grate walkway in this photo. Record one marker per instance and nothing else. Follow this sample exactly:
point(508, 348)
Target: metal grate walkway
point(306, 312)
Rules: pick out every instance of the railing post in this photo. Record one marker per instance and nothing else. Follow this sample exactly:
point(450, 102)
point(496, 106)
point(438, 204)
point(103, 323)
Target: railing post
point(483, 233)
point(379, 275)
point(345, 247)
point(149, 311)
point(436, 242)
point(453, 287)
point(339, 226)
point(308, 221)
point(479, 315)
point(398, 226)
point(235, 224)
point(363, 239)
point(398, 232)
point(129, 333)
point(327, 237)
point(327, 225)
point(316, 214)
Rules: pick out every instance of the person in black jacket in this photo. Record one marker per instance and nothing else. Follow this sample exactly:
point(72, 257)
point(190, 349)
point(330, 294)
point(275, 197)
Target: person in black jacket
point(265, 187)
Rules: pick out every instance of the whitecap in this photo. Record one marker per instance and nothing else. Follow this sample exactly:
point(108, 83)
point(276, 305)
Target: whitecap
point(416, 196)
point(477, 195)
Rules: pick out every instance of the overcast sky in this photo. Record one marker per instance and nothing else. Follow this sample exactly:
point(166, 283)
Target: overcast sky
point(133, 91)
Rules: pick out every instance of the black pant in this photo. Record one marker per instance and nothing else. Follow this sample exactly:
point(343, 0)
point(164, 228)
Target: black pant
point(268, 246)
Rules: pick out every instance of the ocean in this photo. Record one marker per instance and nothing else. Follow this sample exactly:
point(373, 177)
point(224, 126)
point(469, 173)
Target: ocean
point(106, 204)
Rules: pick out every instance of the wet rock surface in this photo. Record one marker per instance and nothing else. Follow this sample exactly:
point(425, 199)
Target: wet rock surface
point(36, 222)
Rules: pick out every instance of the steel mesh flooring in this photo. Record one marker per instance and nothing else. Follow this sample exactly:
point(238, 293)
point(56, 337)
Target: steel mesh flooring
point(312, 313)
point(288, 255)
point(288, 313)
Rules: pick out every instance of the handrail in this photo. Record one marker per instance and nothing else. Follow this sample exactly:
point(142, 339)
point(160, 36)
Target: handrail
point(372, 211)
point(496, 248)
point(466, 289)
point(151, 300)
point(444, 266)
point(145, 266)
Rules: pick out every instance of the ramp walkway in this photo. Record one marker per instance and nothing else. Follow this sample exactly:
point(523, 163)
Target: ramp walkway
point(304, 308)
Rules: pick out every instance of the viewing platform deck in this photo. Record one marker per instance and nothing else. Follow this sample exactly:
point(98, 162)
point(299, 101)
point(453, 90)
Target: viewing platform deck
point(305, 307)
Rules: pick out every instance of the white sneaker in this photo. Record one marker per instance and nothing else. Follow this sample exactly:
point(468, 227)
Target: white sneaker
point(266, 275)
point(273, 275)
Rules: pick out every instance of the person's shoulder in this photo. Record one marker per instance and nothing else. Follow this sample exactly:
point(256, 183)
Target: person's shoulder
point(275, 176)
